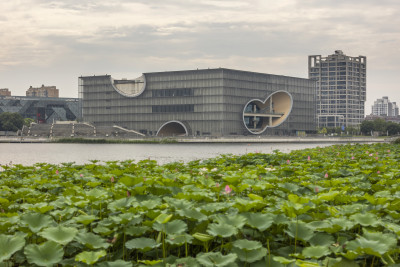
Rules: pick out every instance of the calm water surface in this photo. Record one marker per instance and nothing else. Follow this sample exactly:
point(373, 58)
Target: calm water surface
point(28, 154)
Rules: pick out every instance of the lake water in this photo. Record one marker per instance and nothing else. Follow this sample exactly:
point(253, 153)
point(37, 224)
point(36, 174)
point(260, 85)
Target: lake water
point(28, 154)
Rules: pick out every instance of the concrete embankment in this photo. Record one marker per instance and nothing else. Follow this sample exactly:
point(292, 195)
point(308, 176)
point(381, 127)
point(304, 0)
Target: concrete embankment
point(263, 139)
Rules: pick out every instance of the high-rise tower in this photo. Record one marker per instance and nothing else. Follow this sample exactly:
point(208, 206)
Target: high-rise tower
point(341, 88)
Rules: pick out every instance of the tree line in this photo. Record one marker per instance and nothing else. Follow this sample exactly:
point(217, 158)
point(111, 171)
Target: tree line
point(12, 121)
point(381, 126)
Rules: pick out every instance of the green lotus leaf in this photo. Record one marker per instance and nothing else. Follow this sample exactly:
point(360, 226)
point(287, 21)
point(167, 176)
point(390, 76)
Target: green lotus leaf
point(151, 263)
point(96, 193)
point(10, 244)
point(315, 252)
point(260, 221)
point(36, 221)
point(299, 231)
point(45, 254)
point(175, 227)
point(179, 204)
point(322, 239)
point(387, 239)
point(283, 260)
point(344, 223)
point(121, 204)
point(203, 237)
point(150, 204)
point(214, 207)
point(91, 240)
point(118, 263)
point(179, 239)
point(103, 230)
point(318, 225)
point(42, 207)
point(85, 219)
point(136, 230)
point(235, 220)
point(142, 243)
point(192, 214)
point(302, 263)
point(367, 219)
point(189, 261)
point(250, 255)
point(216, 259)
point(59, 234)
point(125, 218)
point(222, 230)
point(90, 257)
point(163, 218)
point(371, 247)
point(247, 245)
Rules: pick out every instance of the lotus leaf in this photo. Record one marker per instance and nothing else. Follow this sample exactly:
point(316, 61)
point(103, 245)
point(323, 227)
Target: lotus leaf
point(260, 221)
point(247, 245)
point(189, 261)
point(203, 237)
point(192, 214)
point(46, 254)
point(90, 257)
point(163, 218)
point(367, 219)
point(91, 240)
point(36, 221)
point(136, 230)
point(315, 252)
point(366, 246)
point(142, 243)
point(299, 231)
point(236, 220)
point(283, 260)
point(250, 255)
point(10, 244)
point(216, 259)
point(179, 239)
point(118, 263)
point(85, 219)
point(222, 230)
point(59, 234)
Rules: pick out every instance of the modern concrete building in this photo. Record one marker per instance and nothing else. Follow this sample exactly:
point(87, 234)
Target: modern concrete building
point(42, 109)
point(383, 107)
point(341, 88)
point(43, 91)
point(208, 102)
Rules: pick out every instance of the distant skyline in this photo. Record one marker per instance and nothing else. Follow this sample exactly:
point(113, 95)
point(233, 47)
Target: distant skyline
point(53, 42)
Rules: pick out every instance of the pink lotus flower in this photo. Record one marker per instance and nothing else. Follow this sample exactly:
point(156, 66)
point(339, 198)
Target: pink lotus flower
point(128, 194)
point(112, 179)
point(308, 158)
point(57, 172)
point(378, 172)
point(81, 175)
point(228, 190)
point(217, 185)
point(352, 157)
point(316, 189)
point(326, 175)
point(376, 158)
point(288, 161)
point(366, 152)
point(388, 151)
point(370, 155)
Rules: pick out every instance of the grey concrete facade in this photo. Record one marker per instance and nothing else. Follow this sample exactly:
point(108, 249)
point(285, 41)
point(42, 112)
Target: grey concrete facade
point(341, 88)
point(209, 102)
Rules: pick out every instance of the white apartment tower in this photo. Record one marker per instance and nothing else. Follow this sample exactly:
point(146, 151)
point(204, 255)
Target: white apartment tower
point(340, 88)
point(383, 107)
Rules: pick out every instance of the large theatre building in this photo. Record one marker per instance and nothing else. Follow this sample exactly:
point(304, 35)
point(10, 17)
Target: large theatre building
point(209, 102)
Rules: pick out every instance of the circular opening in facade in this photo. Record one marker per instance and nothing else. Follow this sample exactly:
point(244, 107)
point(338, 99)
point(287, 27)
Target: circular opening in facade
point(172, 128)
point(258, 115)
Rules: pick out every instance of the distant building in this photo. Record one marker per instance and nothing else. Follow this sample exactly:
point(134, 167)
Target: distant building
point(208, 102)
point(341, 88)
point(5, 92)
point(44, 91)
point(383, 107)
point(42, 109)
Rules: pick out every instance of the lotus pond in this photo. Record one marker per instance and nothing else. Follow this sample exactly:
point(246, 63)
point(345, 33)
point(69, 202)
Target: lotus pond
point(332, 206)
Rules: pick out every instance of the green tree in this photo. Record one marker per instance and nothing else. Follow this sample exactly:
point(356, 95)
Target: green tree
point(366, 127)
point(28, 121)
point(380, 125)
point(393, 128)
point(11, 121)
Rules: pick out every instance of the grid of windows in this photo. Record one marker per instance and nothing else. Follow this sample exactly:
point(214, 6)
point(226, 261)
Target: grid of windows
point(341, 88)
point(172, 92)
point(172, 108)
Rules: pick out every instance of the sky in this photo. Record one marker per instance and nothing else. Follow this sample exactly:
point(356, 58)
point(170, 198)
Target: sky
point(54, 42)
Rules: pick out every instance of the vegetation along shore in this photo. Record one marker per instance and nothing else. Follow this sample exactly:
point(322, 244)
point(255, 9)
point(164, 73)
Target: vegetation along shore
point(331, 206)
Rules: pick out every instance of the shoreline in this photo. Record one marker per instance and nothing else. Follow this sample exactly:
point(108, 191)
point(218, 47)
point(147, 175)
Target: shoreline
point(167, 140)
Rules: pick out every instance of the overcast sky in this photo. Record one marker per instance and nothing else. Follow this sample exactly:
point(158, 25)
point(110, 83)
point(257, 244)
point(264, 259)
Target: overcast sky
point(54, 42)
